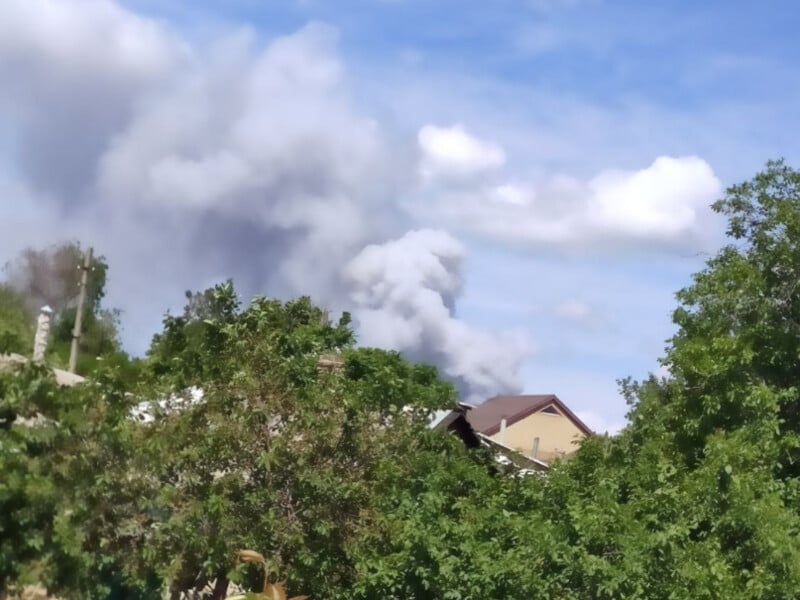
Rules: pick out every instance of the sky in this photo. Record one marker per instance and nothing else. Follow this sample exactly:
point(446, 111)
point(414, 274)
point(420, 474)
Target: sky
point(511, 189)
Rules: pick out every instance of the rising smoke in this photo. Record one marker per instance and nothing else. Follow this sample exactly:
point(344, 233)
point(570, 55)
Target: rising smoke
point(188, 165)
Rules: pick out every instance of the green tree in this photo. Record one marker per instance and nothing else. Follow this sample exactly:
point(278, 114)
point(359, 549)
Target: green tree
point(50, 276)
point(16, 324)
point(335, 477)
point(277, 454)
point(185, 350)
point(698, 496)
point(65, 453)
point(27, 497)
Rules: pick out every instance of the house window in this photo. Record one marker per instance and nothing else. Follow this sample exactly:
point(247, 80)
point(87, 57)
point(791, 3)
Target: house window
point(551, 410)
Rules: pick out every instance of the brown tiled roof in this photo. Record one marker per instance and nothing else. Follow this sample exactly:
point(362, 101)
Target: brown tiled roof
point(486, 417)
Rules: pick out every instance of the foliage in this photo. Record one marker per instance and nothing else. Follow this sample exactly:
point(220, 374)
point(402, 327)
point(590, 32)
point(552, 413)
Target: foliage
point(16, 324)
point(698, 497)
point(26, 496)
point(287, 454)
point(335, 476)
point(277, 454)
point(64, 452)
point(269, 590)
point(50, 276)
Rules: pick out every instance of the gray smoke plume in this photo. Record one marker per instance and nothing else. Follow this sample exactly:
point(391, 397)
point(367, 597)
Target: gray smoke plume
point(405, 292)
point(185, 166)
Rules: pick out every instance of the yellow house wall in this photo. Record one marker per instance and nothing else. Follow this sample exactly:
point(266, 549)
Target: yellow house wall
point(556, 435)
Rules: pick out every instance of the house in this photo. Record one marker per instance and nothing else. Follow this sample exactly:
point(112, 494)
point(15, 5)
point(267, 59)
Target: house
point(455, 421)
point(540, 427)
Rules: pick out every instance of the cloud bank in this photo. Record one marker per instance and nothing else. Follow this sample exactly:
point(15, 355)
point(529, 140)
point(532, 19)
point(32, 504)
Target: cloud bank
point(663, 205)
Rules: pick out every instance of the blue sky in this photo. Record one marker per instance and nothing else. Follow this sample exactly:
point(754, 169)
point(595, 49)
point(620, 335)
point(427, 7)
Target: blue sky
point(561, 155)
point(674, 53)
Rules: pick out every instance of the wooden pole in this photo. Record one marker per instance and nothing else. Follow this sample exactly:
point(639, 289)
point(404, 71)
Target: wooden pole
point(76, 331)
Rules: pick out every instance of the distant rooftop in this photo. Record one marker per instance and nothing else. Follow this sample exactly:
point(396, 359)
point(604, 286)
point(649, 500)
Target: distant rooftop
point(486, 418)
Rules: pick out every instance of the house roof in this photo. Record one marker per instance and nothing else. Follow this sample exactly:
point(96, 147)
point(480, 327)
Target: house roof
point(485, 418)
point(455, 422)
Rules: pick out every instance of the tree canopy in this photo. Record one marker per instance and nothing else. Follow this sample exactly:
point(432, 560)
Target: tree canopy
point(243, 441)
point(16, 323)
point(246, 443)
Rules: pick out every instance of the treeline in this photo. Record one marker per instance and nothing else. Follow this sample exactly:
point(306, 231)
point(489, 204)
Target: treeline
point(248, 444)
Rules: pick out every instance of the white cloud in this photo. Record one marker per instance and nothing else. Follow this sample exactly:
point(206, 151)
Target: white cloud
point(454, 152)
point(664, 205)
point(664, 200)
point(97, 36)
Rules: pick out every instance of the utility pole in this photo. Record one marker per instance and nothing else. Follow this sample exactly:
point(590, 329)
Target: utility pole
point(76, 331)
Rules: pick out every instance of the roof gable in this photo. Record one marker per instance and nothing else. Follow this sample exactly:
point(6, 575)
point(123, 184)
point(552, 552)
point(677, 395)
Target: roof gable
point(486, 417)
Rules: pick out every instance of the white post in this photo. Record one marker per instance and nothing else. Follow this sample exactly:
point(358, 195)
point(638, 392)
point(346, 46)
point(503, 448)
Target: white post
point(503, 430)
point(42, 332)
